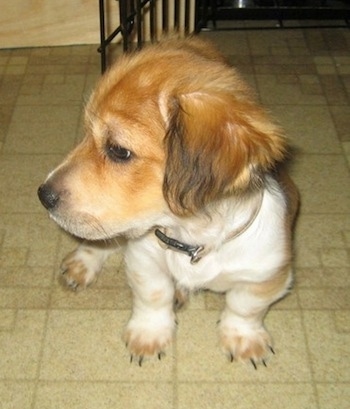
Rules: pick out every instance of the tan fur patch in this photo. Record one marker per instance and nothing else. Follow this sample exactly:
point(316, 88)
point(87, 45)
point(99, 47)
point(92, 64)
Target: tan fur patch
point(270, 289)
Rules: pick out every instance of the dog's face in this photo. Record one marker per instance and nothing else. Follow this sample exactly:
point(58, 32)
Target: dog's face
point(168, 131)
point(112, 181)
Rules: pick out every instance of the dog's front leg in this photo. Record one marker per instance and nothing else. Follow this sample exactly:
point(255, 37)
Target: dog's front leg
point(151, 327)
point(81, 266)
point(242, 333)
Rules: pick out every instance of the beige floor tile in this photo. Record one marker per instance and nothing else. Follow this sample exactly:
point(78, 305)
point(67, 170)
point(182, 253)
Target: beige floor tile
point(196, 301)
point(289, 302)
point(54, 79)
point(4, 59)
point(41, 51)
point(326, 69)
point(92, 298)
point(5, 115)
point(324, 183)
point(16, 394)
point(214, 301)
point(321, 277)
point(46, 69)
point(28, 298)
point(315, 233)
point(346, 148)
point(67, 93)
point(93, 395)
point(9, 88)
point(27, 277)
point(87, 346)
point(299, 124)
point(28, 134)
point(15, 70)
point(342, 321)
point(333, 395)
point(341, 117)
point(246, 396)
point(335, 257)
point(29, 241)
point(20, 347)
point(20, 178)
point(325, 298)
point(266, 42)
point(199, 358)
point(329, 349)
point(13, 257)
point(7, 319)
point(90, 82)
point(276, 92)
point(112, 277)
point(334, 89)
point(229, 43)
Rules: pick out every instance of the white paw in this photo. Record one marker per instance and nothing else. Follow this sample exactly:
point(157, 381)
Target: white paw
point(80, 268)
point(245, 344)
point(147, 337)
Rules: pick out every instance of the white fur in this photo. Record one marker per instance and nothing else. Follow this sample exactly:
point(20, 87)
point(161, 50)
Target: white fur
point(230, 267)
point(253, 256)
point(81, 267)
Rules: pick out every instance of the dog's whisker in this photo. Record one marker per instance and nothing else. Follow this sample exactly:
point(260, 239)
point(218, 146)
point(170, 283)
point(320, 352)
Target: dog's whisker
point(115, 241)
point(96, 225)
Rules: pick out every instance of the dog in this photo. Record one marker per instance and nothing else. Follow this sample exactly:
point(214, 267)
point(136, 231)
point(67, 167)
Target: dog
point(180, 160)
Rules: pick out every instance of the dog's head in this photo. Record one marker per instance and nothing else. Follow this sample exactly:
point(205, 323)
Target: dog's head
point(169, 130)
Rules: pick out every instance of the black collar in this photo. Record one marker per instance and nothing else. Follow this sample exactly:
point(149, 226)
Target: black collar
point(193, 251)
point(197, 252)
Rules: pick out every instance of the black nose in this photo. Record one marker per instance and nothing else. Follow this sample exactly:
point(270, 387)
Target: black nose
point(48, 197)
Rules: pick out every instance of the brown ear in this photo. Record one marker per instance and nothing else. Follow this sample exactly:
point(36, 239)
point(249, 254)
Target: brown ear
point(216, 146)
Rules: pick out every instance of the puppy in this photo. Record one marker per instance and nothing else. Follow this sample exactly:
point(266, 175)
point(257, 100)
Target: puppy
point(179, 159)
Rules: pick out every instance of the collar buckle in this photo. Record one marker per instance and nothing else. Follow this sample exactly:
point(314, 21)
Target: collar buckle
point(192, 251)
point(195, 254)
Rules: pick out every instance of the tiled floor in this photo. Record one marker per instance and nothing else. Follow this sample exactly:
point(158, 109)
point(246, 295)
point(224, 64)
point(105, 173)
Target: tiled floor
point(63, 350)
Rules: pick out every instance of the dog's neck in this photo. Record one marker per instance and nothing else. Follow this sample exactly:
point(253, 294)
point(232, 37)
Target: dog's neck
point(197, 251)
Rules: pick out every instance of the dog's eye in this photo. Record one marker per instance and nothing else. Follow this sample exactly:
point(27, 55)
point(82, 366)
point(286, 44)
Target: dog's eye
point(117, 153)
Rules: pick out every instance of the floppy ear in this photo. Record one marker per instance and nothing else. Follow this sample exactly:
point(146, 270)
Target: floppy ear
point(216, 146)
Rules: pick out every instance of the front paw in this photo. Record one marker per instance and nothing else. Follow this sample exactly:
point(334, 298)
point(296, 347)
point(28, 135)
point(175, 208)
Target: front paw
point(248, 345)
point(145, 338)
point(79, 269)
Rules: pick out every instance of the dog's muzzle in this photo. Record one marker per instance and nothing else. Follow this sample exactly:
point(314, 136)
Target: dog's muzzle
point(48, 197)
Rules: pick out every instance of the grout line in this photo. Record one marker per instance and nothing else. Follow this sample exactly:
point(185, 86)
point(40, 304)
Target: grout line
point(40, 357)
point(310, 363)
